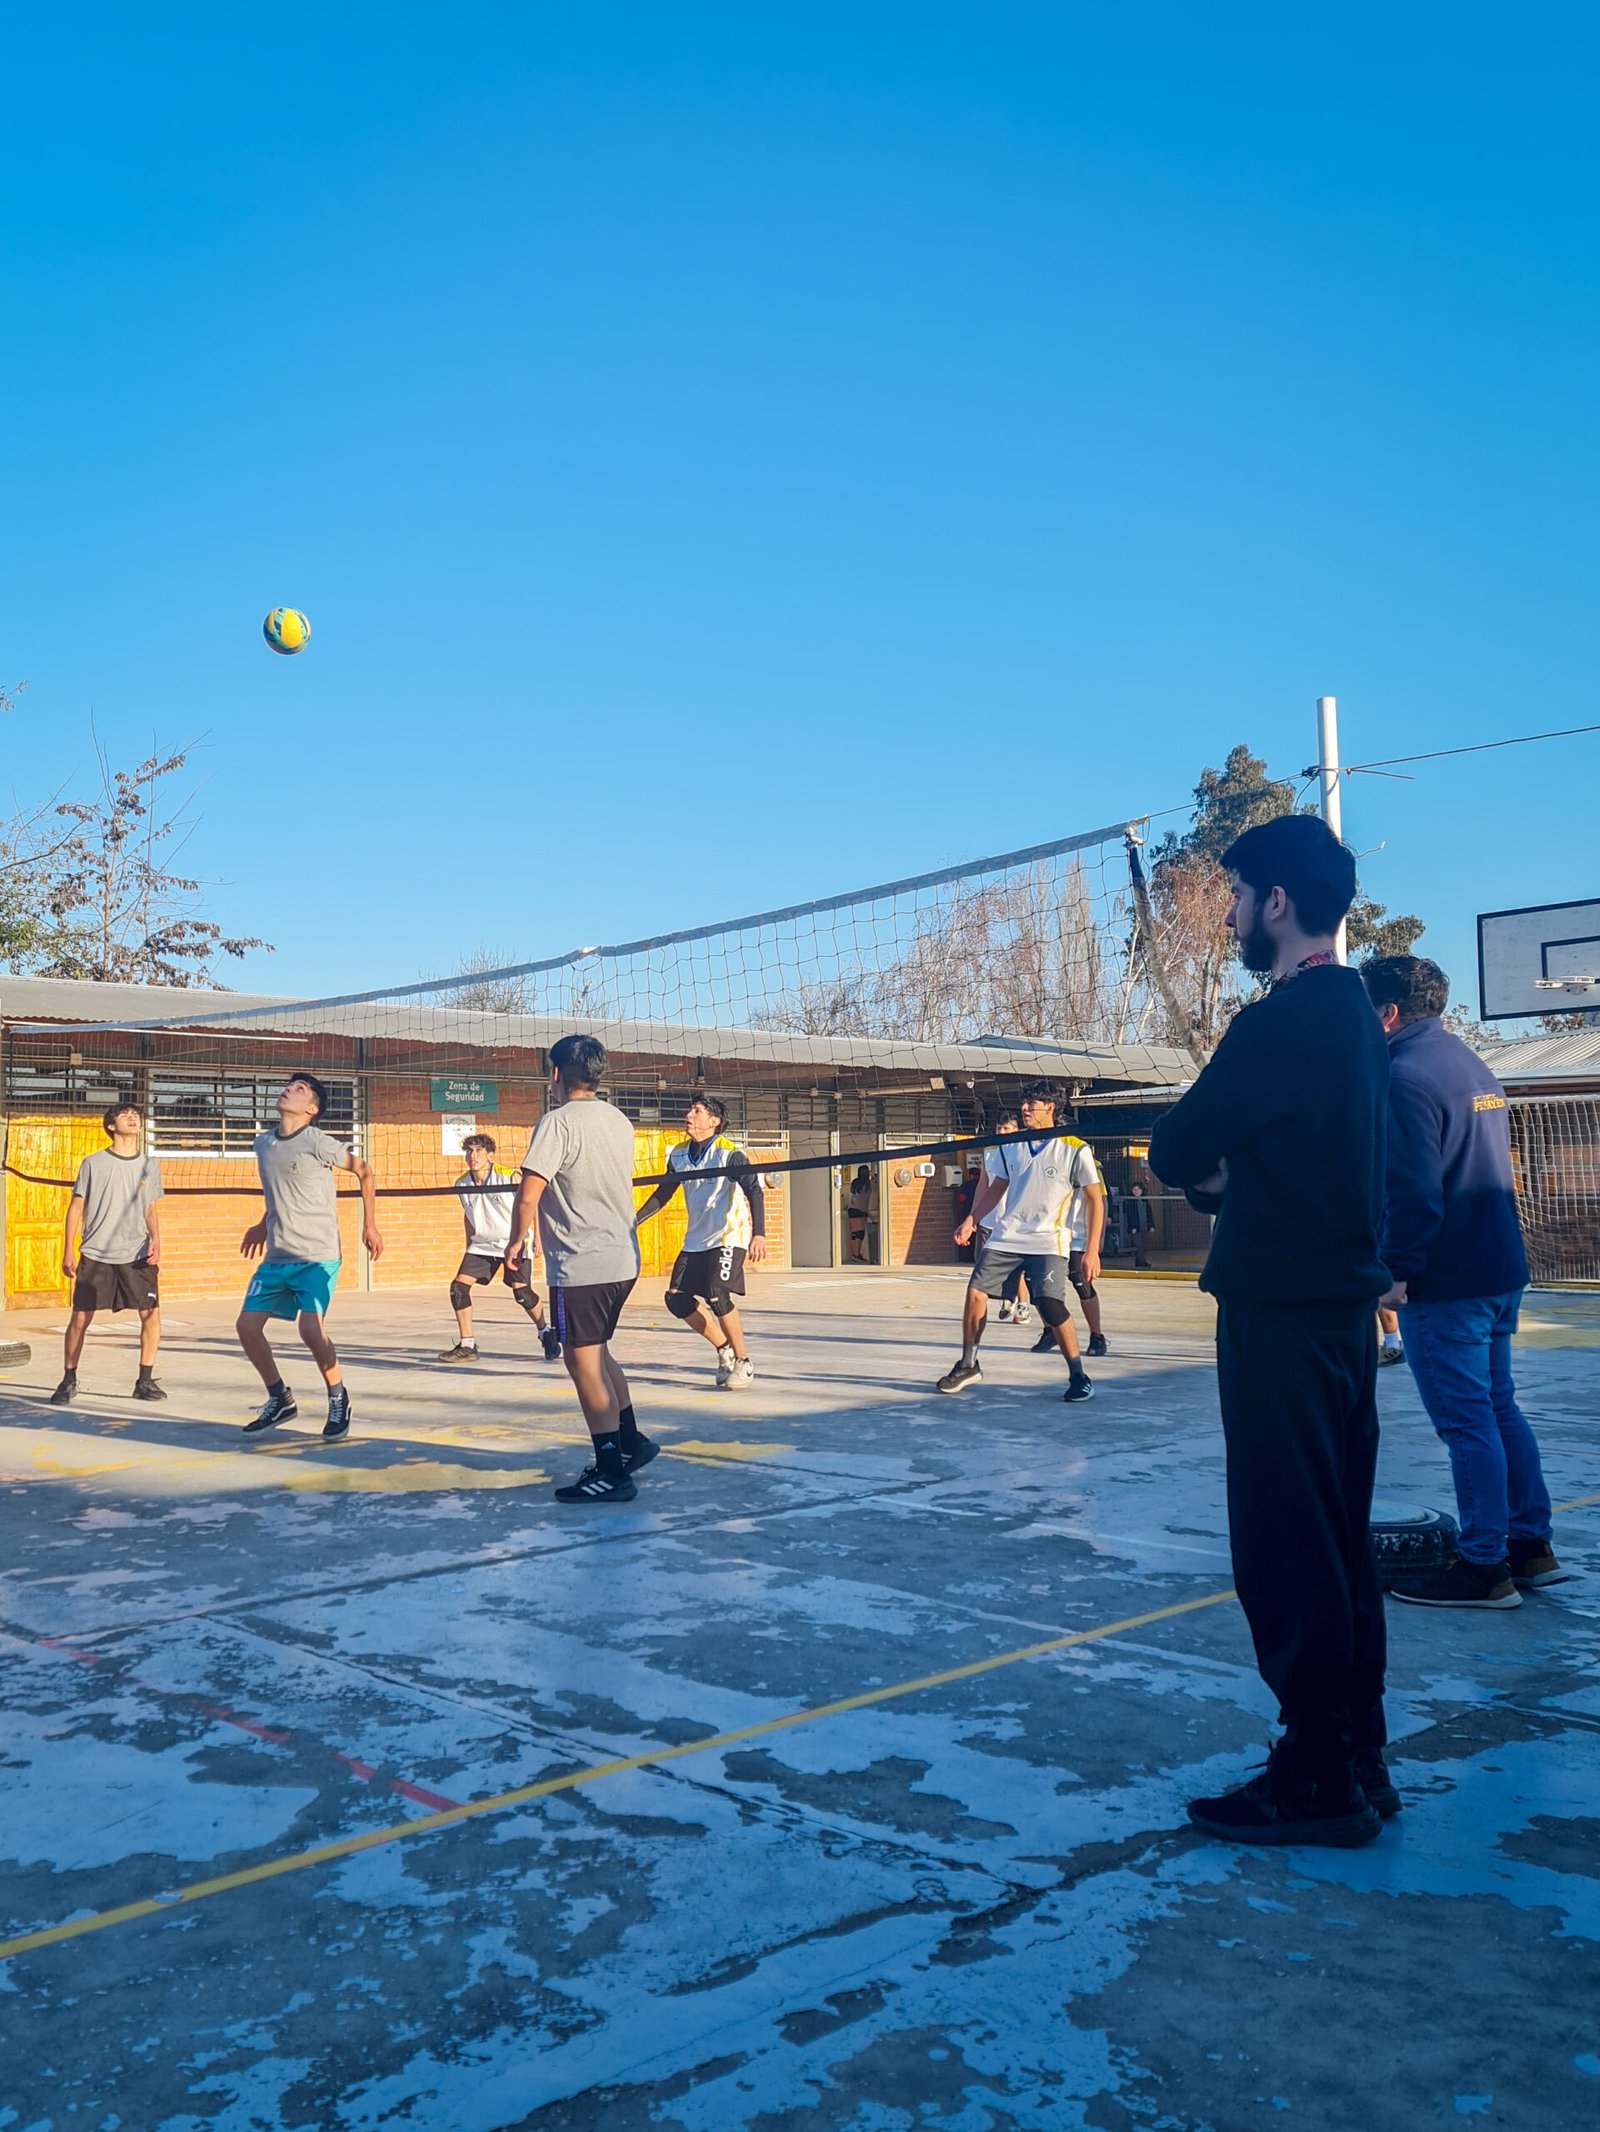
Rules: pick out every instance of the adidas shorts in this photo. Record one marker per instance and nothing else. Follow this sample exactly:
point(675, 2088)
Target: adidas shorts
point(587, 1317)
point(713, 1277)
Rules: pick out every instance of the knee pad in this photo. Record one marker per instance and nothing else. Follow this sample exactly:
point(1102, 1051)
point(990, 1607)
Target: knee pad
point(723, 1306)
point(680, 1304)
point(1051, 1312)
point(460, 1295)
point(1086, 1290)
point(524, 1297)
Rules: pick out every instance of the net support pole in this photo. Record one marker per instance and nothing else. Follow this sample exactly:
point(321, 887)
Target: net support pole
point(1328, 768)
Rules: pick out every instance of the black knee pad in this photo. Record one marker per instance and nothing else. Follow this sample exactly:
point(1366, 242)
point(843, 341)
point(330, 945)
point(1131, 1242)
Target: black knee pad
point(1087, 1291)
point(524, 1296)
point(460, 1295)
point(724, 1306)
point(680, 1304)
point(1050, 1311)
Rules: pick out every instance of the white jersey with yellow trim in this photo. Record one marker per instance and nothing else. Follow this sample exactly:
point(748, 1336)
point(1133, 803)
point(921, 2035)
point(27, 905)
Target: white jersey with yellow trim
point(1045, 1180)
point(721, 1209)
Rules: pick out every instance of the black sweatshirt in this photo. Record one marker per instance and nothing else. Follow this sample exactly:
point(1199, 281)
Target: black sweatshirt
point(1295, 1101)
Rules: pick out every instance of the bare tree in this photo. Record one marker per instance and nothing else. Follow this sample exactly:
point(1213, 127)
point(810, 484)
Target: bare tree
point(105, 900)
point(488, 985)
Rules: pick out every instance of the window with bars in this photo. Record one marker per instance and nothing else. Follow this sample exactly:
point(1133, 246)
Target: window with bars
point(221, 1114)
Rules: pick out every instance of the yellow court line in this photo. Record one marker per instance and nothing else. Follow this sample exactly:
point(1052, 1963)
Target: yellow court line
point(501, 1802)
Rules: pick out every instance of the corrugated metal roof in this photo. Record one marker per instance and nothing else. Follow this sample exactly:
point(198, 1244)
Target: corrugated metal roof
point(1573, 1057)
point(75, 1001)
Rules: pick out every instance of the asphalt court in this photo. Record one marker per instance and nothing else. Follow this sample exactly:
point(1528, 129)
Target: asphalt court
point(371, 1787)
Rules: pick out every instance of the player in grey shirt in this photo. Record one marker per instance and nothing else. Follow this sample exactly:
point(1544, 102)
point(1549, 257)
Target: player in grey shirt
point(300, 1237)
point(112, 1248)
point(577, 1197)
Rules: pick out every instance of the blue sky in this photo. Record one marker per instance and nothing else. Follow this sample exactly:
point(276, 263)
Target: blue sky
point(728, 453)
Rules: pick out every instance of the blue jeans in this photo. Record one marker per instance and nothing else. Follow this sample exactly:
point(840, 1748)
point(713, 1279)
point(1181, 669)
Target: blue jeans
point(1460, 1355)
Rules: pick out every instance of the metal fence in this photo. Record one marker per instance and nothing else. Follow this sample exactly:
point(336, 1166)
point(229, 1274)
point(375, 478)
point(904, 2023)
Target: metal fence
point(1555, 1149)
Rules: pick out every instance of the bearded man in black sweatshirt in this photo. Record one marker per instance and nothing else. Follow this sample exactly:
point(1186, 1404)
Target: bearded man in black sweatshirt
point(1282, 1138)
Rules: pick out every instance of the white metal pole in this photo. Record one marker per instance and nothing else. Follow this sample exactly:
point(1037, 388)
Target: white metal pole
point(1328, 764)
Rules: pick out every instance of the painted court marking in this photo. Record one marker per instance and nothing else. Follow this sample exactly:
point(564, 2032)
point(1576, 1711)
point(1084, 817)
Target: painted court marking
point(503, 1802)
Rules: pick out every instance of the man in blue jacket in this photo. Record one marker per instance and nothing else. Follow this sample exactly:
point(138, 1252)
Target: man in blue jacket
point(1453, 1244)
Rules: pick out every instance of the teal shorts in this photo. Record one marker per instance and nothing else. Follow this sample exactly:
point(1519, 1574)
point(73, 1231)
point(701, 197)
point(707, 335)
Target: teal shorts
point(284, 1287)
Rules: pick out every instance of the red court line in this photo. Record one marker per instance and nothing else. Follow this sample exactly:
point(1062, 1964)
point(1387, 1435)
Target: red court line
point(273, 1738)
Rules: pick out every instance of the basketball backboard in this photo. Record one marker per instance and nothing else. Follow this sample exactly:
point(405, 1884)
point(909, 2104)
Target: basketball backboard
point(1541, 960)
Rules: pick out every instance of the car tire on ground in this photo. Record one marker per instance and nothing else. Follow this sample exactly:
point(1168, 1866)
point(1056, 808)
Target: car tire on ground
point(13, 1353)
point(1405, 1541)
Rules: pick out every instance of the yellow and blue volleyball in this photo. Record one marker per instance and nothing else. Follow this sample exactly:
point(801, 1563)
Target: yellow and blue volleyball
point(287, 630)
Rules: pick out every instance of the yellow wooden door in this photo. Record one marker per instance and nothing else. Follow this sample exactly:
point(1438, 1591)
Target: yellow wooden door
point(661, 1238)
point(36, 1213)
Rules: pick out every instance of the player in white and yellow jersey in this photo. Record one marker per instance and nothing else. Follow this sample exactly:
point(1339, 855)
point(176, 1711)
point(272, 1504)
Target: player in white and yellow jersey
point(727, 1217)
point(1028, 1201)
point(486, 1193)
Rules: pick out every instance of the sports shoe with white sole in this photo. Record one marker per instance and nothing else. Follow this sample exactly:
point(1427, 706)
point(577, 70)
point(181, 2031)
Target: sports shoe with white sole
point(1022, 1315)
point(463, 1351)
point(1533, 1564)
point(1008, 1313)
point(1461, 1583)
point(958, 1377)
point(741, 1371)
point(550, 1341)
point(595, 1486)
point(280, 1406)
point(1078, 1387)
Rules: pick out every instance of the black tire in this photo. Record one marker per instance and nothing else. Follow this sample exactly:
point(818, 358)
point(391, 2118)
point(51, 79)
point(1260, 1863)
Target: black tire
point(13, 1353)
point(1405, 1541)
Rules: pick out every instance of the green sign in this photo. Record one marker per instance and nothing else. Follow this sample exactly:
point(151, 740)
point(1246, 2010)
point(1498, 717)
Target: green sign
point(447, 1093)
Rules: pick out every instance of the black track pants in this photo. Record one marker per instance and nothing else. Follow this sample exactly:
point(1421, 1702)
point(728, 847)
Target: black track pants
point(1300, 1419)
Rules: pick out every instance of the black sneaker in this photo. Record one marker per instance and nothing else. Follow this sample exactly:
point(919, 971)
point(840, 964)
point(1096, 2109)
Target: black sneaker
point(1460, 1583)
point(147, 1388)
point(463, 1351)
point(1534, 1564)
point(1097, 1344)
point(1078, 1387)
point(279, 1407)
point(958, 1377)
point(595, 1486)
point(1372, 1774)
point(1046, 1344)
point(550, 1341)
point(1389, 1356)
point(65, 1392)
point(639, 1453)
point(338, 1421)
point(1274, 1808)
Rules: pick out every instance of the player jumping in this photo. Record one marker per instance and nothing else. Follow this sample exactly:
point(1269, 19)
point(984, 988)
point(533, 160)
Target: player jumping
point(727, 1220)
point(486, 1216)
point(300, 1237)
point(1034, 1187)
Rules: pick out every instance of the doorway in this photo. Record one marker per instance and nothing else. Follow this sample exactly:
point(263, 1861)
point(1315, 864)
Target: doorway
point(811, 1201)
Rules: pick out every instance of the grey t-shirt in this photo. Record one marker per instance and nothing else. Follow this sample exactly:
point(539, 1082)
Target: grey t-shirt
point(116, 1191)
point(302, 1201)
point(585, 1152)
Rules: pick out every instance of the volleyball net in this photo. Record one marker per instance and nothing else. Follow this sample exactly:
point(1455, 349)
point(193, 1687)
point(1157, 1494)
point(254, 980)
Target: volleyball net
point(889, 1024)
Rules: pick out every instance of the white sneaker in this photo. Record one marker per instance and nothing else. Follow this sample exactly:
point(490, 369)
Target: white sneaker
point(740, 1373)
point(724, 1368)
point(1022, 1315)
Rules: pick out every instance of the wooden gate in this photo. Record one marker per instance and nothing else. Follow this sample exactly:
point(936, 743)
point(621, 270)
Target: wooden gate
point(36, 1213)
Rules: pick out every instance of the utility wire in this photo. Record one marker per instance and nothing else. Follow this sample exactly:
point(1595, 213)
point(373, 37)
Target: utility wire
point(1482, 747)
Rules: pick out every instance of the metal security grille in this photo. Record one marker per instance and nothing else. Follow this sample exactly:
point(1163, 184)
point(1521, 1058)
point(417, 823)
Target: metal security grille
point(1555, 1146)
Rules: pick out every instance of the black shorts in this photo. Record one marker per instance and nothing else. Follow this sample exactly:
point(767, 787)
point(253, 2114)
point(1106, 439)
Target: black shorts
point(477, 1267)
point(102, 1287)
point(714, 1276)
point(1087, 1291)
point(587, 1317)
